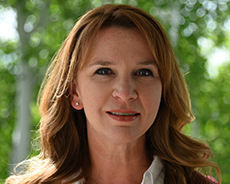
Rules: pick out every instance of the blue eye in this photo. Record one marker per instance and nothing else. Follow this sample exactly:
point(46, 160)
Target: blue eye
point(104, 71)
point(144, 72)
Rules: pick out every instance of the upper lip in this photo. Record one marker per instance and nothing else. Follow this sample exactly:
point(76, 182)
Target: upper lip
point(123, 112)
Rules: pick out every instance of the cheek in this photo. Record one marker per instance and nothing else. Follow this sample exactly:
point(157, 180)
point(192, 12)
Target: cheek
point(151, 102)
point(152, 108)
point(152, 95)
point(93, 95)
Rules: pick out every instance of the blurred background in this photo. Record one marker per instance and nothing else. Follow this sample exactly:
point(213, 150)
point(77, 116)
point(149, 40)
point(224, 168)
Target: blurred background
point(31, 31)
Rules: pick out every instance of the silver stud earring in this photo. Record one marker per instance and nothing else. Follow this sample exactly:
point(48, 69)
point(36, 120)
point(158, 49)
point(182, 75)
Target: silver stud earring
point(77, 104)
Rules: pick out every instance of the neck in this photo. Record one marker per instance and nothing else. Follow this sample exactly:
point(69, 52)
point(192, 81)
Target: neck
point(117, 162)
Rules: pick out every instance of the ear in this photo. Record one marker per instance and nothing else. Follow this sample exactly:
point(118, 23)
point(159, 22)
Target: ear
point(75, 99)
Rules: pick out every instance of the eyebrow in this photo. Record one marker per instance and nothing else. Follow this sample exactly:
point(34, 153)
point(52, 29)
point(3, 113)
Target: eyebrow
point(148, 62)
point(106, 63)
point(103, 63)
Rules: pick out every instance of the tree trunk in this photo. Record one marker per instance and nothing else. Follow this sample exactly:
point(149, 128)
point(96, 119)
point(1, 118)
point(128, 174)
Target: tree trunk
point(21, 134)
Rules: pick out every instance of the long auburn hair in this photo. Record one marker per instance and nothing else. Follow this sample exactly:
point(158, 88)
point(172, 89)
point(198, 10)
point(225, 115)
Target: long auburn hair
point(64, 147)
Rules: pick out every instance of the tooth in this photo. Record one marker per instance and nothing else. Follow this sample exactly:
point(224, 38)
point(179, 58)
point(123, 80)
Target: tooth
point(122, 114)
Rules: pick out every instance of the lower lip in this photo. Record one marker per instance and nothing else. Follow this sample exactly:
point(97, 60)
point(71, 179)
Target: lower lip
point(123, 118)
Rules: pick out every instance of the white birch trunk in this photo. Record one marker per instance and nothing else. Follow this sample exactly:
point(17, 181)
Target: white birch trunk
point(21, 134)
point(25, 85)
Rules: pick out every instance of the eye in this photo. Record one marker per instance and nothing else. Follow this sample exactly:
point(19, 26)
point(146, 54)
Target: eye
point(104, 71)
point(144, 72)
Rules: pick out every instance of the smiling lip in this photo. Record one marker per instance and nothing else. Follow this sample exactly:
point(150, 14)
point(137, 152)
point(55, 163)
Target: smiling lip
point(123, 115)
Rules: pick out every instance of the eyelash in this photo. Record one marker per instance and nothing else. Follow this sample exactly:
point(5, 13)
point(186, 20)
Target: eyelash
point(146, 72)
point(104, 71)
point(142, 72)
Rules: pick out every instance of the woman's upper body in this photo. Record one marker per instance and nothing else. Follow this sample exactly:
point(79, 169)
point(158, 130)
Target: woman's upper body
point(112, 98)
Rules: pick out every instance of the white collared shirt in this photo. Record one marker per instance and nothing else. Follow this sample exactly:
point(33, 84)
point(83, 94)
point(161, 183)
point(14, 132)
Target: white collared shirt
point(153, 175)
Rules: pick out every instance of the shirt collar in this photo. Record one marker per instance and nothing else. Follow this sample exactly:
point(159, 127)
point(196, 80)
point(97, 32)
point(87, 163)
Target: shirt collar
point(155, 173)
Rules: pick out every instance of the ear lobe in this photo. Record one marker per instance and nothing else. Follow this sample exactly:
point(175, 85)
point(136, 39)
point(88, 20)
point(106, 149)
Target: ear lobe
point(76, 105)
point(75, 99)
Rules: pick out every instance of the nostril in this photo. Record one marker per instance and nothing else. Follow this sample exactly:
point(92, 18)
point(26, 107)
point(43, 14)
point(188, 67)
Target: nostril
point(125, 94)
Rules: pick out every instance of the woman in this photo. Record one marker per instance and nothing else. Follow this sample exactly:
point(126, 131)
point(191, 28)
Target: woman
point(113, 106)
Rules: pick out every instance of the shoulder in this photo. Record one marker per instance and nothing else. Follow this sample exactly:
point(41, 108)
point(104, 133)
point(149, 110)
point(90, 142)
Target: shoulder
point(197, 178)
point(200, 178)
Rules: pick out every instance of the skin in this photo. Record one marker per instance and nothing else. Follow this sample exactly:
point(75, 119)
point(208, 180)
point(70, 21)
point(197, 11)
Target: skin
point(120, 91)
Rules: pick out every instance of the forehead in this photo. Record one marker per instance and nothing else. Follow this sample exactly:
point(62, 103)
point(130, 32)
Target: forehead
point(114, 41)
point(119, 35)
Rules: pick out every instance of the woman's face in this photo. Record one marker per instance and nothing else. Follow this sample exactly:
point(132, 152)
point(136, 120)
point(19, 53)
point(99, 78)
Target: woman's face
point(119, 88)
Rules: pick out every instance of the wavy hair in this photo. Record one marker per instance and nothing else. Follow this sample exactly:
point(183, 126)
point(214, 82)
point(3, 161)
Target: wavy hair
point(64, 145)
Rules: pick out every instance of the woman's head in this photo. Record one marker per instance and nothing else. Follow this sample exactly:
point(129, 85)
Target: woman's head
point(76, 50)
point(119, 86)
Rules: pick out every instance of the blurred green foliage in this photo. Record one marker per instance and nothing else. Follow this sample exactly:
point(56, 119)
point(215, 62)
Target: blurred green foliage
point(195, 28)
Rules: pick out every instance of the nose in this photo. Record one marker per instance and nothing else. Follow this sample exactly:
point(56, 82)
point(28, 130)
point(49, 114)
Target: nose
point(124, 89)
